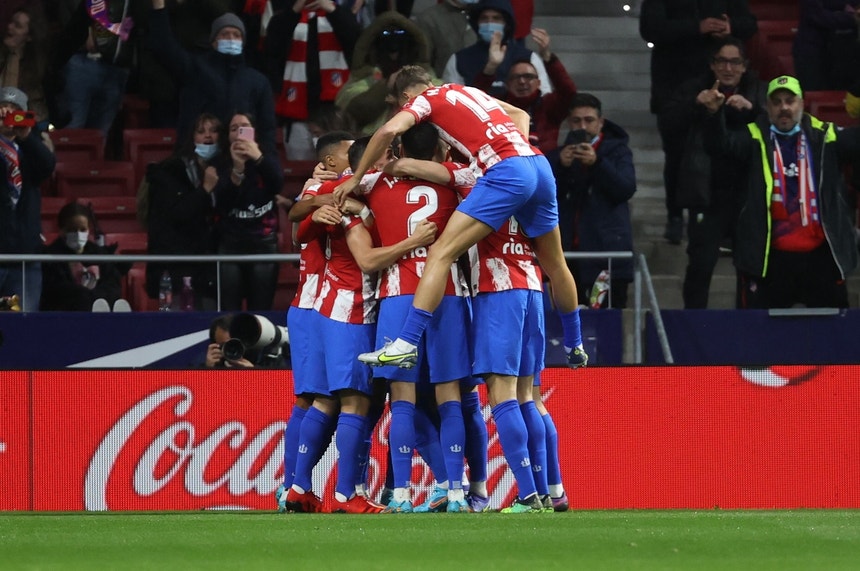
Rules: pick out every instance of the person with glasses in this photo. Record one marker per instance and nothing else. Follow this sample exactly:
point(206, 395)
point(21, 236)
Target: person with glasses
point(523, 89)
point(711, 186)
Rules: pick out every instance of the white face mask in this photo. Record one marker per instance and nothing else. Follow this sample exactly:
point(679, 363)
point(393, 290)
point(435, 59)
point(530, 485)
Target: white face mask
point(204, 151)
point(487, 29)
point(76, 240)
point(230, 47)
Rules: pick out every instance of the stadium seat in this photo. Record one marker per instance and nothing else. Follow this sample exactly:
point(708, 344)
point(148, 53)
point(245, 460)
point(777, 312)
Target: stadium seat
point(136, 288)
point(769, 50)
point(775, 10)
point(114, 214)
point(78, 145)
point(134, 111)
point(295, 175)
point(128, 242)
point(828, 106)
point(95, 179)
point(51, 206)
point(288, 283)
point(144, 146)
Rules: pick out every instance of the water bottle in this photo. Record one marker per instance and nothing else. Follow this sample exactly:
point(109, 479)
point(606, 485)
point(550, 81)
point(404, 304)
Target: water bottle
point(186, 296)
point(165, 292)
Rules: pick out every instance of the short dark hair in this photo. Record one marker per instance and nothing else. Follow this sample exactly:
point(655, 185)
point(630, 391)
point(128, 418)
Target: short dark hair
point(220, 322)
point(329, 140)
point(586, 100)
point(729, 41)
point(420, 141)
point(72, 209)
point(356, 150)
point(410, 75)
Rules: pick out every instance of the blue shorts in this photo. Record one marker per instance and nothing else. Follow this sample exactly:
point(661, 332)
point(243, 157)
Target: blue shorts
point(302, 325)
point(508, 333)
point(443, 354)
point(523, 187)
point(333, 357)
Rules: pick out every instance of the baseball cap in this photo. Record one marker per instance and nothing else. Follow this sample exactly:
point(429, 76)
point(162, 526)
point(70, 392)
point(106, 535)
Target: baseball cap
point(15, 96)
point(227, 20)
point(785, 82)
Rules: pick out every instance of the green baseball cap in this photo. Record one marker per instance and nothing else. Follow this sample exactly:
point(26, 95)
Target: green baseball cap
point(785, 82)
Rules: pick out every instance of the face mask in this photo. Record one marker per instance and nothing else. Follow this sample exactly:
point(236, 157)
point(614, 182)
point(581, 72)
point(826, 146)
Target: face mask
point(204, 151)
point(793, 131)
point(76, 240)
point(487, 29)
point(230, 47)
point(468, 2)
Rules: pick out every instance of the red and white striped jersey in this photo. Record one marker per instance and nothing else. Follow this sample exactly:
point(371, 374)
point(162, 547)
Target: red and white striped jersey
point(311, 266)
point(472, 122)
point(399, 204)
point(504, 260)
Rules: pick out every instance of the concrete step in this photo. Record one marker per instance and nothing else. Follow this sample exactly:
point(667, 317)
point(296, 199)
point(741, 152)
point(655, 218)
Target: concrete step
point(588, 25)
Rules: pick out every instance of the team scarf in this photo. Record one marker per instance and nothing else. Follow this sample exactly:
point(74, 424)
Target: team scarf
point(13, 168)
point(807, 192)
point(292, 103)
point(98, 11)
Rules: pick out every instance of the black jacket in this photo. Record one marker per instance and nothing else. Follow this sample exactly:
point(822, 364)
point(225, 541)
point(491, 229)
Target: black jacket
point(830, 149)
point(60, 292)
point(21, 225)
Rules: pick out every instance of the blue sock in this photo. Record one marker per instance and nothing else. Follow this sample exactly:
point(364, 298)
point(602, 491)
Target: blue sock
point(428, 444)
point(413, 327)
point(453, 438)
point(401, 442)
point(476, 437)
point(291, 443)
point(350, 443)
point(536, 444)
point(572, 328)
point(314, 438)
point(514, 438)
point(553, 469)
point(373, 416)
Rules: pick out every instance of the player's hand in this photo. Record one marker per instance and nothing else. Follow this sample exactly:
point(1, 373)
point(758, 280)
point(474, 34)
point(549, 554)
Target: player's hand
point(424, 233)
point(711, 99)
point(344, 189)
point(739, 102)
point(327, 214)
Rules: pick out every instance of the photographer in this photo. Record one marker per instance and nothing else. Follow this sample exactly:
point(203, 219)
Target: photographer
point(595, 179)
point(26, 160)
point(223, 330)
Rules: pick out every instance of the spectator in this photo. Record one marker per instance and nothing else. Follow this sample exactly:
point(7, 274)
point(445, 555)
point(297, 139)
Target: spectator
point(385, 46)
point(24, 56)
point(711, 186)
point(795, 239)
point(596, 179)
point(80, 286)
point(26, 160)
point(825, 49)
point(179, 211)
point(96, 53)
point(217, 81)
point(494, 52)
point(248, 180)
point(447, 29)
point(683, 34)
point(309, 46)
point(523, 90)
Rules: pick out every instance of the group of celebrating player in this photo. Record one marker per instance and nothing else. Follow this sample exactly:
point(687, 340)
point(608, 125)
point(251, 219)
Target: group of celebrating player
point(455, 319)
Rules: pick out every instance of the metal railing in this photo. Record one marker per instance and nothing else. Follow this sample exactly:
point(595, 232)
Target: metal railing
point(640, 274)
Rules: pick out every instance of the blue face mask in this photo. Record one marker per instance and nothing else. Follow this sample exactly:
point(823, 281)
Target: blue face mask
point(204, 151)
point(230, 47)
point(793, 131)
point(487, 29)
point(468, 2)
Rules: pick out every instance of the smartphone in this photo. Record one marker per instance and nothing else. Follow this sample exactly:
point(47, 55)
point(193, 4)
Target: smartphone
point(20, 119)
point(577, 137)
point(245, 134)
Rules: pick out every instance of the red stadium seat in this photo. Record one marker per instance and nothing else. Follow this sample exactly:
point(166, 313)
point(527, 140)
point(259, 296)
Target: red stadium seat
point(51, 206)
point(128, 242)
point(144, 146)
point(769, 50)
point(828, 106)
point(775, 9)
point(114, 214)
point(95, 179)
point(295, 175)
point(78, 145)
point(136, 288)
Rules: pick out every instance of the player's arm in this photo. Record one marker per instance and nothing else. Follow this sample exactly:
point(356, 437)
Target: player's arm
point(425, 170)
point(518, 116)
point(372, 259)
point(309, 202)
point(376, 147)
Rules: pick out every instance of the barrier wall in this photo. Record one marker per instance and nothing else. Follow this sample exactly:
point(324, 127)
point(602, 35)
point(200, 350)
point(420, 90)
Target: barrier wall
point(644, 437)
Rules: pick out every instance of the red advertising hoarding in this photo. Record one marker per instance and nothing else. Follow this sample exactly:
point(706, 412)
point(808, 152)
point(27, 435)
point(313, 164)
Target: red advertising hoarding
point(630, 437)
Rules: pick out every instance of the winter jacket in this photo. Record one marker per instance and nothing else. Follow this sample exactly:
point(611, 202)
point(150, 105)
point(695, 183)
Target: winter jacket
point(593, 202)
point(754, 148)
point(60, 291)
point(247, 213)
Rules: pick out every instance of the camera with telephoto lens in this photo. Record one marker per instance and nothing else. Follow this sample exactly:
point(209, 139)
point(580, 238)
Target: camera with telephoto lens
point(249, 332)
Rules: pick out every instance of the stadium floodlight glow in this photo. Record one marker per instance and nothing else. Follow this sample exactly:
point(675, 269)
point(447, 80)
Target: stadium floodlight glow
point(650, 45)
point(626, 7)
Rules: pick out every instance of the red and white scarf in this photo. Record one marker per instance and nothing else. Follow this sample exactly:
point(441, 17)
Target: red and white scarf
point(9, 151)
point(334, 71)
point(807, 193)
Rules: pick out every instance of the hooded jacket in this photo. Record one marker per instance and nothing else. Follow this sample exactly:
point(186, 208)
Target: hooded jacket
point(593, 202)
point(465, 65)
point(754, 148)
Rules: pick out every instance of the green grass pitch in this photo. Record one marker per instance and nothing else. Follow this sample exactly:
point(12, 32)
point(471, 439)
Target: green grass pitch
point(593, 540)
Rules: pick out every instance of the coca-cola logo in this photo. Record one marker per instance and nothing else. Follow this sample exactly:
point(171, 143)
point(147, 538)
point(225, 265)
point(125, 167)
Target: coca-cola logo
point(156, 447)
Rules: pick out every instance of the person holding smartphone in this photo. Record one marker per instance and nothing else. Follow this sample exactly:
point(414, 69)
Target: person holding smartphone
point(244, 199)
point(595, 180)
